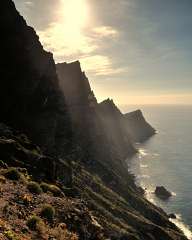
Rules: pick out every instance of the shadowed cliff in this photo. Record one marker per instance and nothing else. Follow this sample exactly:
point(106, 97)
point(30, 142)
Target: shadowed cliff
point(30, 98)
point(137, 127)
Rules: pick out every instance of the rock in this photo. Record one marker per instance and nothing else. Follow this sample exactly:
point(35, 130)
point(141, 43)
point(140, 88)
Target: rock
point(162, 193)
point(137, 127)
point(75, 85)
point(172, 216)
point(113, 124)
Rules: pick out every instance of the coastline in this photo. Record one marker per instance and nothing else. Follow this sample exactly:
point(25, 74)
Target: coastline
point(150, 196)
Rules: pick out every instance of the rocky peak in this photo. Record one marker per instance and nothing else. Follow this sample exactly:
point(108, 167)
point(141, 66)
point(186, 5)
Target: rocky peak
point(137, 127)
point(108, 106)
point(74, 84)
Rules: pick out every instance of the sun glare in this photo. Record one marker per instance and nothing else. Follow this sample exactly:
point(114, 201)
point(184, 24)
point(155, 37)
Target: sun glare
point(75, 13)
point(74, 17)
point(65, 36)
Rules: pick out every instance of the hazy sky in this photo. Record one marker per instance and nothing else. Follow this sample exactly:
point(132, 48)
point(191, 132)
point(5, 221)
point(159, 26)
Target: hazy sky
point(134, 51)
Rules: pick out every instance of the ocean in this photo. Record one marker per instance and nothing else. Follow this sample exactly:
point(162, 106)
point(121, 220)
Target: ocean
point(166, 159)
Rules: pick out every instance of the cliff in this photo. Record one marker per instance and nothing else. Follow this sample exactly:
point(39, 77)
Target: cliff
point(62, 117)
point(137, 127)
point(92, 134)
point(113, 123)
point(30, 98)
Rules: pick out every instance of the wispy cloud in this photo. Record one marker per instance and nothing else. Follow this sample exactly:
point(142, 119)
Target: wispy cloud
point(67, 44)
point(29, 3)
point(105, 32)
point(98, 65)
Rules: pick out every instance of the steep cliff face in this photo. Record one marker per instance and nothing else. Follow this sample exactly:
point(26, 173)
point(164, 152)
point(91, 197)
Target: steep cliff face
point(30, 98)
point(96, 128)
point(74, 84)
point(137, 127)
point(113, 123)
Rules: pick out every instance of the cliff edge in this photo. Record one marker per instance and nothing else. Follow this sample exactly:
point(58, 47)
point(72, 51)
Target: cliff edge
point(137, 127)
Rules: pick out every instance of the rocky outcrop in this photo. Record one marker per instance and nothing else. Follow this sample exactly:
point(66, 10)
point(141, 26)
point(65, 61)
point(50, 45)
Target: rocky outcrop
point(16, 150)
point(75, 85)
point(137, 127)
point(113, 125)
point(162, 193)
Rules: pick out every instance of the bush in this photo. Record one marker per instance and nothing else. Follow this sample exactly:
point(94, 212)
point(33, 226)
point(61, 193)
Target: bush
point(52, 188)
point(45, 187)
point(48, 212)
point(34, 187)
point(3, 164)
point(10, 235)
point(33, 222)
point(12, 174)
point(56, 191)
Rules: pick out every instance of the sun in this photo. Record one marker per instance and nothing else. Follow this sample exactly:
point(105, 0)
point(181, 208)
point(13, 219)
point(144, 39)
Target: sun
point(75, 13)
point(72, 19)
point(66, 36)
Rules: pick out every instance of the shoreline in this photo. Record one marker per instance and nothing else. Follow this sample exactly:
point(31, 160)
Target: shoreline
point(185, 228)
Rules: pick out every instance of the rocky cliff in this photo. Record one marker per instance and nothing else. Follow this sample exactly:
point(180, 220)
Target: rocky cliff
point(63, 117)
point(137, 127)
point(102, 142)
point(113, 122)
point(30, 98)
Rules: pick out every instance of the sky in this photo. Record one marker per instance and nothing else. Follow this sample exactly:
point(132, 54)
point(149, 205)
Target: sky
point(133, 51)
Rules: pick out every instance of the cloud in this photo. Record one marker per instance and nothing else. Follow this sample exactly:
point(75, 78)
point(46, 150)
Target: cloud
point(65, 43)
point(105, 31)
point(99, 65)
point(29, 4)
point(68, 44)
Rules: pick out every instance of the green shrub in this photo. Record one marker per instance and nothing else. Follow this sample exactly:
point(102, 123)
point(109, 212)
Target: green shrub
point(10, 235)
point(48, 212)
point(12, 174)
point(3, 164)
point(51, 188)
point(45, 187)
point(33, 222)
point(34, 187)
point(55, 190)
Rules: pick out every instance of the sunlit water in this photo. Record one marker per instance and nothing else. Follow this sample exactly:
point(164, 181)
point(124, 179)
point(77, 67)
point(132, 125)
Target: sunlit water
point(166, 159)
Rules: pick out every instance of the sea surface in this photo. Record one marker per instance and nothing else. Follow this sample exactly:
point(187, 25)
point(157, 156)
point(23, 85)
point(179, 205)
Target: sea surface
point(166, 159)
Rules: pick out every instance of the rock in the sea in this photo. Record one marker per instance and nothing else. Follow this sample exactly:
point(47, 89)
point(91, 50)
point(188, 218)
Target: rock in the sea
point(162, 193)
point(172, 216)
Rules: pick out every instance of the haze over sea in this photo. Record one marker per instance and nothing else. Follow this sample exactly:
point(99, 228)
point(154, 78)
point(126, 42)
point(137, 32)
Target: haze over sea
point(166, 159)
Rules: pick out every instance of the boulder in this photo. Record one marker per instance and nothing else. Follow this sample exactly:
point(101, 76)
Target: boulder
point(172, 216)
point(162, 193)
